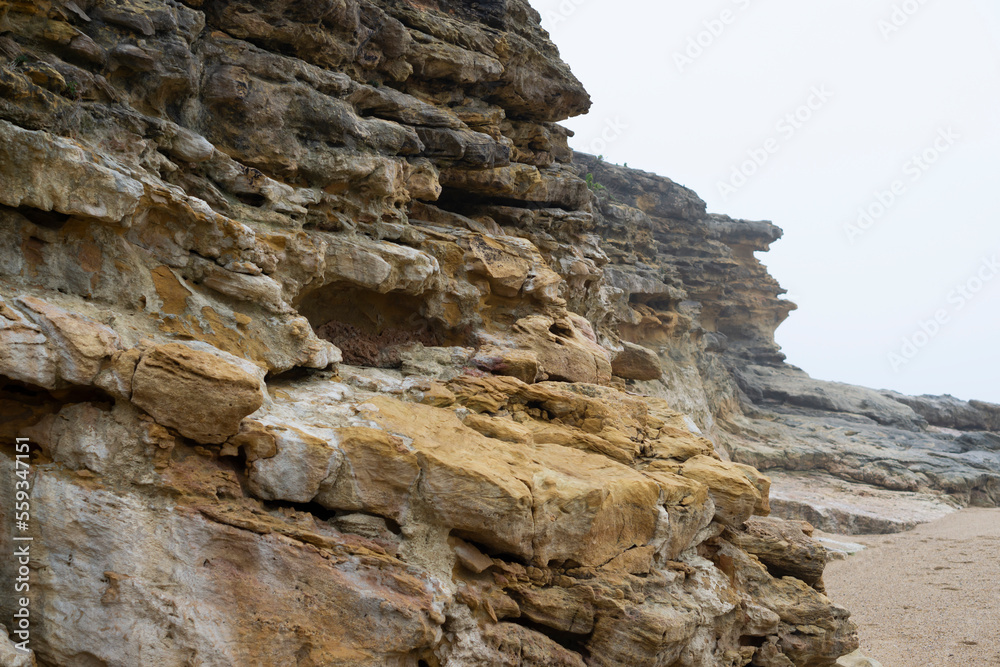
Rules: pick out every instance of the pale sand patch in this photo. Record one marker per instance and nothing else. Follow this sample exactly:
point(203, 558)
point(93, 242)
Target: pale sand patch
point(929, 597)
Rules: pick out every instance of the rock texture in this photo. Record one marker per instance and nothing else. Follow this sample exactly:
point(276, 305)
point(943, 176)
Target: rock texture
point(698, 297)
point(331, 353)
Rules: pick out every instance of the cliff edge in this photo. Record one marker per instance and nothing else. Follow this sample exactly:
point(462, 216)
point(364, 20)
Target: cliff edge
point(329, 351)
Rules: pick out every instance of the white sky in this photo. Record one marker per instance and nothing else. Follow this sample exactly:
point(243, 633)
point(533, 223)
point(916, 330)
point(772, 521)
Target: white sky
point(891, 95)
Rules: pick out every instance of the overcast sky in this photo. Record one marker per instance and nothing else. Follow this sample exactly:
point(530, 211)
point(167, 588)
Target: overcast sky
point(894, 111)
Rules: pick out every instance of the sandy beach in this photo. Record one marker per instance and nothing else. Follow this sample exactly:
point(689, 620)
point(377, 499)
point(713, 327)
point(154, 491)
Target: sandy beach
point(929, 597)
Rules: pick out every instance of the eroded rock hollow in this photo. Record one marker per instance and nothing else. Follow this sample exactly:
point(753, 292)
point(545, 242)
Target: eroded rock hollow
point(331, 352)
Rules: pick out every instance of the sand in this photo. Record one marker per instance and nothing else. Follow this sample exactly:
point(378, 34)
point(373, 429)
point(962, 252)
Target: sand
point(929, 597)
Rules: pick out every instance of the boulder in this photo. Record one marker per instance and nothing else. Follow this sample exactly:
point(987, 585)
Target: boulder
point(636, 362)
point(566, 348)
point(521, 364)
point(783, 547)
point(201, 392)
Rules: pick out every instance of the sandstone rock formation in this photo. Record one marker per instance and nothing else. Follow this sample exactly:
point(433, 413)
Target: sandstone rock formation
point(868, 461)
point(535, 451)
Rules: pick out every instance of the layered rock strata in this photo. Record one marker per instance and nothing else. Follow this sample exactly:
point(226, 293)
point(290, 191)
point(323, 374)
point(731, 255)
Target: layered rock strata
point(698, 296)
point(330, 353)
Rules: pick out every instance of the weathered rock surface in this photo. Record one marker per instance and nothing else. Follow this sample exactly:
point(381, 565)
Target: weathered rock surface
point(202, 393)
point(13, 655)
point(537, 450)
point(783, 547)
point(696, 294)
point(835, 504)
point(636, 362)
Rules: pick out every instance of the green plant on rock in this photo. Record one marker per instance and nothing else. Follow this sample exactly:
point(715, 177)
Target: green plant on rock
point(592, 184)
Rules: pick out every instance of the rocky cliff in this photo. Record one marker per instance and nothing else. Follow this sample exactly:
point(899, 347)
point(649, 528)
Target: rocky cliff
point(845, 458)
point(330, 352)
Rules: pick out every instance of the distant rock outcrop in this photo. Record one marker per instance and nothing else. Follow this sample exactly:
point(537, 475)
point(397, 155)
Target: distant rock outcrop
point(849, 459)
